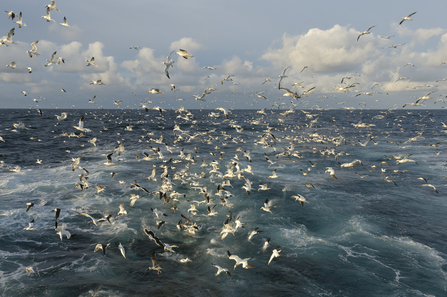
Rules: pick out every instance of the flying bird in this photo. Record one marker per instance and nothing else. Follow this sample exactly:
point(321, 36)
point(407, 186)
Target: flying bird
point(407, 18)
point(365, 32)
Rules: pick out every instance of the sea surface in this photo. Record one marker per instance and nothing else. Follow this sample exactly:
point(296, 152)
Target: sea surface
point(378, 228)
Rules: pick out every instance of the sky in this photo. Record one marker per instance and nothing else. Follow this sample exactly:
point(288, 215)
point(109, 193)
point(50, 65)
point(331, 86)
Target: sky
point(251, 40)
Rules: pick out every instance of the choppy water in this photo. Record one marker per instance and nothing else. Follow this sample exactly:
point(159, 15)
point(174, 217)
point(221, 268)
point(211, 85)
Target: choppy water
point(358, 235)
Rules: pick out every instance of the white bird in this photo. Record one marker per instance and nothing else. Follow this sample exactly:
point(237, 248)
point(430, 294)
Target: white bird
point(30, 226)
point(122, 250)
point(51, 60)
point(183, 53)
point(253, 233)
point(96, 82)
point(80, 126)
point(155, 264)
point(30, 70)
point(221, 269)
point(168, 63)
point(65, 23)
point(239, 261)
point(20, 22)
point(31, 269)
point(331, 171)
point(102, 247)
point(91, 62)
point(275, 253)
point(11, 14)
point(122, 211)
point(289, 93)
point(407, 18)
point(299, 198)
point(48, 16)
point(267, 206)
point(62, 117)
point(63, 231)
point(8, 38)
point(155, 91)
point(95, 221)
point(365, 32)
point(92, 100)
point(52, 5)
point(281, 76)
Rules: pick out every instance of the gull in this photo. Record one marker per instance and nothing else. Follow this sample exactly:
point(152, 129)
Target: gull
point(331, 171)
point(289, 93)
point(12, 65)
point(8, 38)
point(365, 32)
point(80, 126)
point(29, 205)
point(155, 265)
point(102, 247)
point(48, 16)
point(51, 60)
point(121, 248)
point(65, 23)
point(91, 62)
point(63, 231)
point(184, 54)
point(96, 82)
point(122, 211)
point(281, 76)
point(30, 226)
point(253, 233)
point(239, 261)
point(31, 269)
point(11, 14)
point(155, 91)
point(20, 22)
point(275, 253)
point(299, 198)
point(407, 18)
point(221, 269)
point(109, 160)
point(52, 5)
point(431, 186)
point(267, 206)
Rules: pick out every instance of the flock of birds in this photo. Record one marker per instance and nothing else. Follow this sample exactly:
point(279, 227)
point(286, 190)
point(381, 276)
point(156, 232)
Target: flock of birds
point(184, 177)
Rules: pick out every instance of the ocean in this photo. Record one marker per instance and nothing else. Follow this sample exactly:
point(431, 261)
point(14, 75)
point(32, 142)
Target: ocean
point(375, 229)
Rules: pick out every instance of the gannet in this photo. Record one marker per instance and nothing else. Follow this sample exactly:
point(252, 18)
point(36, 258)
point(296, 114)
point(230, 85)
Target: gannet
point(300, 198)
point(30, 226)
point(102, 247)
point(267, 206)
point(227, 78)
point(121, 248)
point(168, 63)
point(8, 38)
point(52, 5)
point(96, 222)
point(253, 233)
point(183, 53)
point(48, 16)
point(12, 65)
point(122, 211)
point(155, 91)
point(281, 76)
point(266, 244)
point(31, 269)
point(11, 14)
point(407, 18)
point(65, 23)
point(155, 265)
point(96, 82)
point(239, 261)
point(275, 253)
point(63, 231)
point(29, 205)
point(365, 32)
point(331, 171)
point(221, 269)
point(289, 93)
point(431, 186)
point(51, 60)
point(20, 22)
point(91, 62)
point(80, 126)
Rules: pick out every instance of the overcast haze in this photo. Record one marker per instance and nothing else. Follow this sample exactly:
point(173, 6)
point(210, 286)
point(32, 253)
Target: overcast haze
point(252, 40)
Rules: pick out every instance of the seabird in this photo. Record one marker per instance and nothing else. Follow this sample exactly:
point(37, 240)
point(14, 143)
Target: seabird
point(91, 62)
point(155, 265)
point(57, 212)
point(267, 206)
point(102, 247)
point(253, 233)
point(63, 231)
point(221, 269)
point(300, 198)
point(29, 205)
point(365, 32)
point(31, 269)
point(20, 22)
point(281, 76)
point(30, 226)
point(51, 60)
point(407, 18)
point(275, 253)
point(80, 126)
point(239, 261)
point(48, 16)
point(122, 211)
point(65, 23)
point(121, 248)
point(183, 53)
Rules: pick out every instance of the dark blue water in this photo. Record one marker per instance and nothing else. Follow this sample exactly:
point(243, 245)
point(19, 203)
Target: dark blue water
point(357, 235)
